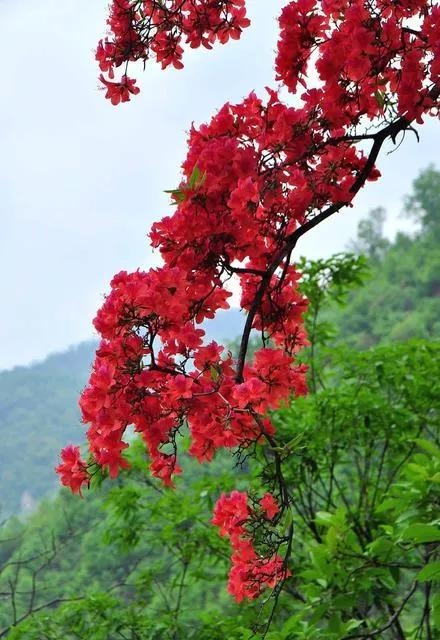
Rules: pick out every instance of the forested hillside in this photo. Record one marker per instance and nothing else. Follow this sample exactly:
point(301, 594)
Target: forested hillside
point(401, 296)
point(38, 412)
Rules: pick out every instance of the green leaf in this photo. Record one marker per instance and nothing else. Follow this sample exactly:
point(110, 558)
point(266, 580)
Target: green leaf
point(428, 446)
point(430, 572)
point(436, 610)
point(319, 612)
point(214, 371)
point(177, 195)
point(195, 175)
point(196, 178)
point(292, 624)
point(421, 533)
point(288, 519)
point(344, 601)
point(380, 547)
point(324, 518)
point(351, 625)
point(386, 578)
point(334, 624)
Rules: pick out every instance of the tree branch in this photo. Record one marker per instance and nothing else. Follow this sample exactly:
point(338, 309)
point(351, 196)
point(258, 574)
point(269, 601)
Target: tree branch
point(389, 131)
point(390, 622)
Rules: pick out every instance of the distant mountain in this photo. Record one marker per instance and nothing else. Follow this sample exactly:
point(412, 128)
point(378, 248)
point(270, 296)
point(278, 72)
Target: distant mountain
point(39, 414)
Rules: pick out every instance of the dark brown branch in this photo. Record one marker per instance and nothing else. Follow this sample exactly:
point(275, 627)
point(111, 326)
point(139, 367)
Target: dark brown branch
point(390, 622)
point(390, 131)
point(413, 32)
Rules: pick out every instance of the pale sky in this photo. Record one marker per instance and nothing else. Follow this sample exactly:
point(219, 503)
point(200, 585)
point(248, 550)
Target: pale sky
point(81, 181)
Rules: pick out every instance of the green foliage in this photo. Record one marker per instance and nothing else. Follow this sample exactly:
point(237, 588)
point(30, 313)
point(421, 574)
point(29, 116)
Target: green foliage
point(133, 558)
point(367, 495)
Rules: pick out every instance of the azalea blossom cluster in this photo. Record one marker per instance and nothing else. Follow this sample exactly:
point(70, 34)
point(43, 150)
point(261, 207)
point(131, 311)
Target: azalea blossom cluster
point(250, 572)
point(256, 177)
point(141, 29)
point(153, 371)
point(373, 57)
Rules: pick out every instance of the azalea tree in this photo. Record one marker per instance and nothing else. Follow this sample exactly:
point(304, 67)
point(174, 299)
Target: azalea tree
point(256, 178)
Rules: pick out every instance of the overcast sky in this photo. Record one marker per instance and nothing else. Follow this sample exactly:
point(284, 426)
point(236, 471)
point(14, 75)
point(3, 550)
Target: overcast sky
point(81, 181)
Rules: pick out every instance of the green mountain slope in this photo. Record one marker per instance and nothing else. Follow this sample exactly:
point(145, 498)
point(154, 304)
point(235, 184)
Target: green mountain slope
point(401, 298)
point(38, 414)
